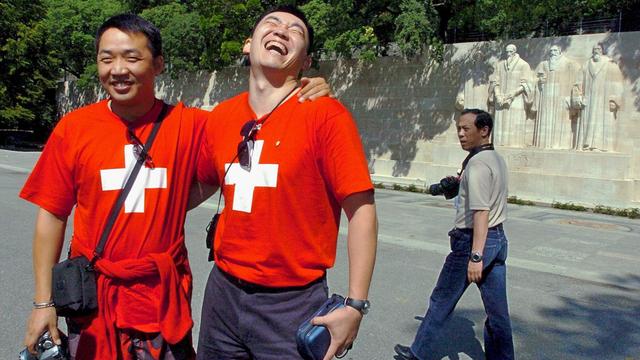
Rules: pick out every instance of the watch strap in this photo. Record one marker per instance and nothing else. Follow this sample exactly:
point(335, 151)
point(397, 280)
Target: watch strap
point(476, 257)
point(360, 305)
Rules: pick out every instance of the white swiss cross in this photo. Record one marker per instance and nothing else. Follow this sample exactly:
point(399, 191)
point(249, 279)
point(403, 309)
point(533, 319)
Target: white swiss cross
point(114, 179)
point(245, 182)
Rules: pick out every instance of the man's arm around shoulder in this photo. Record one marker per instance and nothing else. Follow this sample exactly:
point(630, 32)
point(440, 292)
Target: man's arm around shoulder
point(343, 324)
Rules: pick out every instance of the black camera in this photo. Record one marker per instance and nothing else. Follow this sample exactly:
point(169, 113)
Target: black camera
point(448, 187)
point(46, 349)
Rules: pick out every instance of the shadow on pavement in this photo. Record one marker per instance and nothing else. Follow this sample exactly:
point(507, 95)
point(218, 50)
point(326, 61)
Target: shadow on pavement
point(458, 337)
point(600, 325)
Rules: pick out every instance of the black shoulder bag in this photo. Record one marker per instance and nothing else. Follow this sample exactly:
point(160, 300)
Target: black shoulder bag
point(74, 280)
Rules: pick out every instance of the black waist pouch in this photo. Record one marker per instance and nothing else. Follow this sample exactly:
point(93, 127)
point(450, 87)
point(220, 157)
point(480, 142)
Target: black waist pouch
point(74, 287)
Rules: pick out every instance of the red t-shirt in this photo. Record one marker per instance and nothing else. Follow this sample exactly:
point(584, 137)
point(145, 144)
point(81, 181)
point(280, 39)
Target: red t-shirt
point(83, 165)
point(280, 222)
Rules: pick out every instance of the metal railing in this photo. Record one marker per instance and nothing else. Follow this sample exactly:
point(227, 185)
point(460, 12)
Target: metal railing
point(624, 21)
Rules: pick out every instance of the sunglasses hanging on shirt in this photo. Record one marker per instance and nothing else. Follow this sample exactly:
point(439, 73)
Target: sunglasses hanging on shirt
point(243, 154)
point(245, 146)
point(139, 150)
point(249, 131)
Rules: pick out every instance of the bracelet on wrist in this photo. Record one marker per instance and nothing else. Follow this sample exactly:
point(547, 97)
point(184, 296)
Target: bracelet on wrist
point(43, 305)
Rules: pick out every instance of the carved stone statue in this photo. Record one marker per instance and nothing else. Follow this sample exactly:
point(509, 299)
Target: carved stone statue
point(511, 94)
point(472, 93)
point(602, 87)
point(558, 81)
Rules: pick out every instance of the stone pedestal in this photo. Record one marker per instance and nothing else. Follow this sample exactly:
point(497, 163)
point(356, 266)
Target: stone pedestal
point(585, 178)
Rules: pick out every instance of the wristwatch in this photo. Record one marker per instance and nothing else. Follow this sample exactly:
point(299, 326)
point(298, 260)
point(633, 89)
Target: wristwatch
point(476, 257)
point(360, 305)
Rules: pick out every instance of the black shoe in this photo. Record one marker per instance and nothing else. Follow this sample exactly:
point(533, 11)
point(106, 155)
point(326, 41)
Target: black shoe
point(404, 353)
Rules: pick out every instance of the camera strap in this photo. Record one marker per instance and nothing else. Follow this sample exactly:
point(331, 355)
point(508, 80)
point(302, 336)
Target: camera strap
point(213, 224)
point(473, 153)
point(128, 185)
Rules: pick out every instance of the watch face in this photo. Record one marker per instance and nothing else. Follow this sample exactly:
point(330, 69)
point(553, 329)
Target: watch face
point(476, 257)
point(366, 306)
point(360, 305)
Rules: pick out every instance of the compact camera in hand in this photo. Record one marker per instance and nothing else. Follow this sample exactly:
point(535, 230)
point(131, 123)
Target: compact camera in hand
point(46, 349)
point(448, 187)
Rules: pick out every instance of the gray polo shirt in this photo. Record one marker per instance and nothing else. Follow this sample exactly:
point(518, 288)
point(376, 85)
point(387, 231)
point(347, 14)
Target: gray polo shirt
point(483, 186)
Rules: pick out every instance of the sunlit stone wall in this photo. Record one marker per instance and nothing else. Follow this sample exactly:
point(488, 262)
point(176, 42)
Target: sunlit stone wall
point(405, 110)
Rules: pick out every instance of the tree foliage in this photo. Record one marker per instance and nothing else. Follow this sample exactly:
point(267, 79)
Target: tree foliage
point(414, 26)
point(525, 18)
point(341, 30)
point(71, 26)
point(224, 25)
point(41, 41)
point(182, 38)
point(27, 85)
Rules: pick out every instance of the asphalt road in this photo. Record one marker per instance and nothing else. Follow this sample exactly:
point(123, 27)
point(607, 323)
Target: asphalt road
point(573, 278)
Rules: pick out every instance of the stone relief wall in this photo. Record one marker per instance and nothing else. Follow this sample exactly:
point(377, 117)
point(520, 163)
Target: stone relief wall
point(557, 103)
point(567, 112)
point(572, 106)
point(575, 94)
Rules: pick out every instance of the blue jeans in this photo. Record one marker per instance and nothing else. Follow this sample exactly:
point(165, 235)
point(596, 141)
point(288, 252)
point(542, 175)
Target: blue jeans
point(453, 282)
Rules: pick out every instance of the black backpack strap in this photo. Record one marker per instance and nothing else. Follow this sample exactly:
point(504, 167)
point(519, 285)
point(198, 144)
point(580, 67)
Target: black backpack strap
point(113, 215)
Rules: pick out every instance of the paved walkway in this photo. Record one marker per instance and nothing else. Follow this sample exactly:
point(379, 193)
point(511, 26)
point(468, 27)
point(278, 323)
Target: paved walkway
point(574, 278)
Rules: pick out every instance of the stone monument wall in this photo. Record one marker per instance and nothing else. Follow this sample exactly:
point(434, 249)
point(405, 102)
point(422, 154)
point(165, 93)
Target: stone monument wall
point(568, 130)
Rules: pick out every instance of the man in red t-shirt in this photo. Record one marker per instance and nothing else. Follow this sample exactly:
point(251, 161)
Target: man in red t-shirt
point(144, 281)
point(286, 169)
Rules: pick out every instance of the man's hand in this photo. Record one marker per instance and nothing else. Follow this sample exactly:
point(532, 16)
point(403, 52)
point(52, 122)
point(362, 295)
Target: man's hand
point(474, 272)
point(40, 321)
point(343, 325)
point(313, 88)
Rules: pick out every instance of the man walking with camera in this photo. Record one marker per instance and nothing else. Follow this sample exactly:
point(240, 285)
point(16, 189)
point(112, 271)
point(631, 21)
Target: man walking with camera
point(478, 245)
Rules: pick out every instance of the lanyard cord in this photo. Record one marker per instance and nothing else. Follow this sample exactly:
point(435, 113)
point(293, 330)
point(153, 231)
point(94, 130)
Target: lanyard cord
point(264, 118)
point(258, 125)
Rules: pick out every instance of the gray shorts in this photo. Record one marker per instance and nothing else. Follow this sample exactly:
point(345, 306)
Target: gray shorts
point(246, 321)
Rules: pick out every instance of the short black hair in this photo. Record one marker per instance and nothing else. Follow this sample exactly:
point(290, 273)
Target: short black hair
point(293, 10)
point(131, 23)
point(482, 119)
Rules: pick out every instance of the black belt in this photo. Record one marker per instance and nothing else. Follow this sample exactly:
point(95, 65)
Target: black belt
point(466, 230)
point(256, 288)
